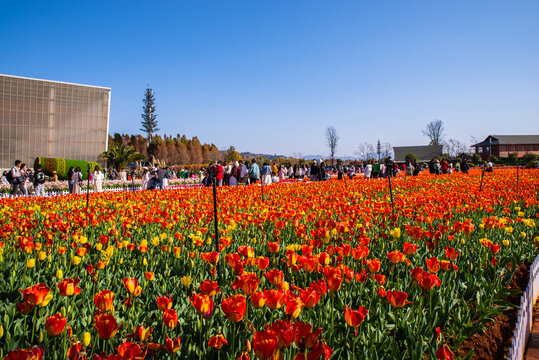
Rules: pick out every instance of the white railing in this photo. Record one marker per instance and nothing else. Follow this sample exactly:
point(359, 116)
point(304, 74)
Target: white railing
point(117, 189)
point(525, 314)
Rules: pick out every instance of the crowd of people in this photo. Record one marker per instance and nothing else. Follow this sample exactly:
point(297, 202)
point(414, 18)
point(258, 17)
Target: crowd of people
point(233, 173)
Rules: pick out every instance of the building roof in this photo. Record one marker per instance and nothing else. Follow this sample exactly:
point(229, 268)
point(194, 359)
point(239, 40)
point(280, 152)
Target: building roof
point(54, 82)
point(424, 153)
point(508, 140)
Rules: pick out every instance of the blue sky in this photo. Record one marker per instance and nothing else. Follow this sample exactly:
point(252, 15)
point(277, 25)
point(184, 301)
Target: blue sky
point(270, 76)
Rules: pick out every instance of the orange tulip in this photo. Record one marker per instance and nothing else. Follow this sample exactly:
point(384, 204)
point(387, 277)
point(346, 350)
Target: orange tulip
point(106, 326)
point(293, 307)
point(209, 288)
point(37, 295)
point(234, 307)
point(132, 286)
point(129, 350)
point(55, 324)
point(451, 254)
point(68, 287)
point(264, 344)
point(103, 300)
point(333, 277)
point(274, 299)
point(395, 257)
point(397, 298)
point(354, 318)
point(173, 346)
point(248, 282)
point(274, 276)
point(217, 341)
point(373, 265)
point(150, 276)
point(164, 302)
point(309, 298)
point(170, 318)
point(428, 281)
point(409, 248)
point(142, 333)
point(273, 247)
point(203, 304)
point(433, 264)
point(258, 299)
point(262, 263)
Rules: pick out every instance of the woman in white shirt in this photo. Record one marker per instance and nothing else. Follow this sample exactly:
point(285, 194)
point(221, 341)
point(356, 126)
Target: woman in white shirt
point(145, 178)
point(98, 177)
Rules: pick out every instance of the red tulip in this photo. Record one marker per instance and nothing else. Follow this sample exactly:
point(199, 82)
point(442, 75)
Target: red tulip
point(217, 342)
point(26, 354)
point(103, 300)
point(173, 346)
point(55, 324)
point(129, 351)
point(132, 286)
point(444, 353)
point(258, 299)
point(409, 248)
point(248, 282)
point(37, 295)
point(397, 298)
point(354, 318)
point(274, 299)
point(106, 326)
point(203, 304)
point(274, 276)
point(433, 264)
point(234, 307)
point(170, 318)
point(164, 302)
point(264, 344)
point(310, 298)
point(209, 288)
point(395, 257)
point(373, 265)
point(68, 287)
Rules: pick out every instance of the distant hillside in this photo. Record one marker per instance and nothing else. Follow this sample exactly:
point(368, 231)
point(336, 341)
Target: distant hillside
point(248, 155)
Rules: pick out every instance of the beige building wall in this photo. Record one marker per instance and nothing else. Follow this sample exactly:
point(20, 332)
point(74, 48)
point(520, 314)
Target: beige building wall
point(51, 119)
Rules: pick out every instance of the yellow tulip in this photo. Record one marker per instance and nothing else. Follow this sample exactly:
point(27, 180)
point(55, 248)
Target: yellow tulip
point(42, 255)
point(59, 274)
point(75, 260)
point(86, 338)
point(186, 281)
point(30, 263)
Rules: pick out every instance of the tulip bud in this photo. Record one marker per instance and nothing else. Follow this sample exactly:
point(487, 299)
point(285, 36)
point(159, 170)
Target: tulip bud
point(86, 338)
point(145, 262)
point(63, 311)
point(1, 331)
point(59, 274)
point(40, 337)
point(30, 263)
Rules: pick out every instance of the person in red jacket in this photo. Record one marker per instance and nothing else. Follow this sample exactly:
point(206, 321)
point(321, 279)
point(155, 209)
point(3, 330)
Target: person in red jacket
point(220, 173)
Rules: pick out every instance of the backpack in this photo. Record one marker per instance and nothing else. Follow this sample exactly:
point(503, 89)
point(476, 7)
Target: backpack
point(40, 178)
point(9, 177)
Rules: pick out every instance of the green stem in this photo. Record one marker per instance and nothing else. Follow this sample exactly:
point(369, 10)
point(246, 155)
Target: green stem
point(33, 325)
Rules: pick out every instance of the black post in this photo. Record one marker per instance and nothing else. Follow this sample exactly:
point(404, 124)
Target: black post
point(262, 181)
point(88, 188)
point(391, 194)
point(216, 228)
point(133, 179)
point(482, 175)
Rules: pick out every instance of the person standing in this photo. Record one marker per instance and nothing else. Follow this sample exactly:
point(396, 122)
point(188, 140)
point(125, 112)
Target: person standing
point(315, 170)
point(39, 181)
point(97, 179)
point(465, 167)
point(69, 179)
point(219, 173)
point(77, 179)
point(244, 172)
point(160, 176)
point(322, 171)
point(390, 167)
point(266, 174)
point(367, 171)
point(16, 178)
point(254, 172)
point(340, 169)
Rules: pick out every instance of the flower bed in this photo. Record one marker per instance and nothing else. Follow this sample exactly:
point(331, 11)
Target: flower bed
point(317, 269)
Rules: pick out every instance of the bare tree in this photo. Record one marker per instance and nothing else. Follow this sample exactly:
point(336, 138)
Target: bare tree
point(455, 147)
point(332, 138)
point(386, 150)
point(435, 132)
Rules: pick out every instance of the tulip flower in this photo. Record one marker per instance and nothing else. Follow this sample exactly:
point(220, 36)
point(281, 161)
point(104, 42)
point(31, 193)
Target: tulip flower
point(264, 344)
point(209, 288)
point(258, 299)
point(275, 299)
point(170, 318)
point(150, 276)
point(373, 265)
point(103, 300)
point(36, 353)
point(395, 257)
point(55, 324)
point(248, 282)
point(397, 298)
point(354, 318)
point(309, 298)
point(234, 307)
point(217, 342)
point(274, 276)
point(409, 248)
point(164, 302)
point(132, 286)
point(68, 287)
point(129, 350)
point(142, 333)
point(37, 295)
point(433, 264)
point(173, 346)
point(203, 304)
point(106, 326)
point(444, 353)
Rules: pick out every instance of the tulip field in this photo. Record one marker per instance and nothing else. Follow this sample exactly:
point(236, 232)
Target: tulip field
point(313, 271)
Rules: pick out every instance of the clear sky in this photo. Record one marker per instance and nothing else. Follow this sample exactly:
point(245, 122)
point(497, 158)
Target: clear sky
point(270, 76)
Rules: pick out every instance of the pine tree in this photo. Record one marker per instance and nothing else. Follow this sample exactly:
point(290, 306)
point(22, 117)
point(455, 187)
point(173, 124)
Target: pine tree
point(149, 122)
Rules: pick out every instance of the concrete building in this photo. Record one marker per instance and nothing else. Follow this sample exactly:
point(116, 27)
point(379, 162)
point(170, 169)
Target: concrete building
point(51, 119)
point(503, 145)
point(424, 153)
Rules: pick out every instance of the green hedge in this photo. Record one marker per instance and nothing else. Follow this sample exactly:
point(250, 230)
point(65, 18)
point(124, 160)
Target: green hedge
point(61, 166)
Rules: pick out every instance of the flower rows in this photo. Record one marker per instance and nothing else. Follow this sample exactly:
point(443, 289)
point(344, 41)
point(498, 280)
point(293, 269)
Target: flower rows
point(314, 271)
